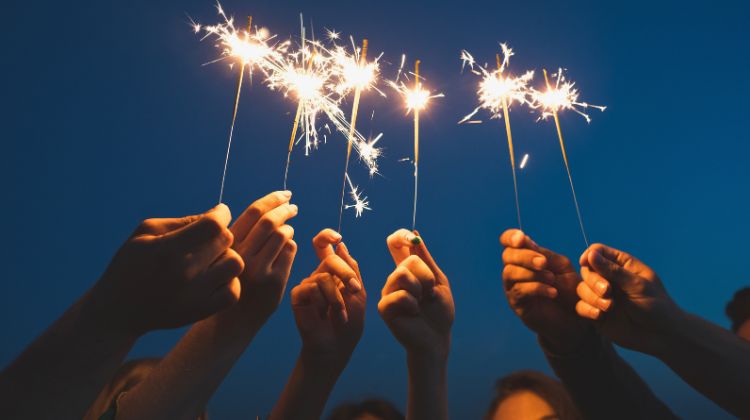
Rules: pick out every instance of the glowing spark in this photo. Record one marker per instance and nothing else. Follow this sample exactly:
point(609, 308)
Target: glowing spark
point(524, 160)
point(561, 96)
point(360, 204)
point(353, 72)
point(332, 35)
point(497, 87)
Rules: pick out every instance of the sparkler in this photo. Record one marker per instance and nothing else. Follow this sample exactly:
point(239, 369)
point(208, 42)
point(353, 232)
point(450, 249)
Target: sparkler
point(248, 50)
point(360, 204)
point(553, 100)
point(357, 76)
point(416, 99)
point(497, 92)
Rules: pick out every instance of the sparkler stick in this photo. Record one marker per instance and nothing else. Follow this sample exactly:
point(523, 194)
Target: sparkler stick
point(294, 129)
point(352, 129)
point(416, 148)
point(558, 98)
point(508, 133)
point(234, 114)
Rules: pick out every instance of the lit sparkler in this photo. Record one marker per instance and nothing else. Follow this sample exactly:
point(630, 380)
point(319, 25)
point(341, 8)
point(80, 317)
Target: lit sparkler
point(360, 204)
point(563, 96)
point(498, 91)
point(245, 48)
point(416, 99)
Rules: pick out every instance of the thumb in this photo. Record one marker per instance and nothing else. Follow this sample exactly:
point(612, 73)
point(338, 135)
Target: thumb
point(617, 266)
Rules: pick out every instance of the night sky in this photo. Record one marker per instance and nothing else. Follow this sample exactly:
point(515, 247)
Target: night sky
point(108, 117)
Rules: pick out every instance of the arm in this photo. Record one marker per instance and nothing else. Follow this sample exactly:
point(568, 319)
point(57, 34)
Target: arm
point(184, 381)
point(148, 285)
point(329, 309)
point(417, 305)
point(541, 288)
point(643, 317)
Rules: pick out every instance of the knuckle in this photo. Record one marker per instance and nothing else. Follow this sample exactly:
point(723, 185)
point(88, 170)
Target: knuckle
point(266, 223)
point(254, 211)
point(213, 226)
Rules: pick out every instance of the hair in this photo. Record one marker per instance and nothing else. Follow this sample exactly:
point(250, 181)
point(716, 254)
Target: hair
point(548, 389)
point(374, 407)
point(130, 374)
point(738, 309)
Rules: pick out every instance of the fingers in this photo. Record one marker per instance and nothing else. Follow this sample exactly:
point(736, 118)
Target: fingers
point(284, 261)
point(513, 274)
point(420, 249)
point(515, 238)
point(211, 226)
point(267, 224)
point(274, 244)
point(587, 311)
point(396, 304)
point(323, 243)
point(521, 293)
point(623, 259)
point(595, 282)
point(423, 274)
point(255, 211)
point(223, 270)
point(355, 285)
point(400, 243)
point(526, 258)
point(590, 297)
point(335, 265)
point(331, 293)
point(610, 263)
point(403, 279)
point(223, 297)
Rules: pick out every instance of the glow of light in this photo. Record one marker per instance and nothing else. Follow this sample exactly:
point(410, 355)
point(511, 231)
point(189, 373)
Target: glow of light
point(524, 160)
point(415, 96)
point(360, 204)
point(561, 96)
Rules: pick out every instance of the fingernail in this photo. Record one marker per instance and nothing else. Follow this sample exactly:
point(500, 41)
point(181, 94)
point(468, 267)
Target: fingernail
point(517, 238)
point(415, 240)
point(595, 312)
point(538, 262)
point(294, 208)
point(354, 285)
point(597, 257)
point(552, 292)
point(604, 304)
point(286, 194)
point(344, 315)
point(601, 287)
point(337, 236)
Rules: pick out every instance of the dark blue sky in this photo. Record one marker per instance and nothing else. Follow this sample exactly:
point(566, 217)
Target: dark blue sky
point(108, 117)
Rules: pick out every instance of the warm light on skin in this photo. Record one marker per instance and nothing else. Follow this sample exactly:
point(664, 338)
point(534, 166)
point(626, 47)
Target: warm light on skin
point(524, 405)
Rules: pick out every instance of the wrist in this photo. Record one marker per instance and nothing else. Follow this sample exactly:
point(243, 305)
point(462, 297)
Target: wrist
point(678, 324)
point(435, 358)
point(324, 360)
point(102, 320)
point(568, 343)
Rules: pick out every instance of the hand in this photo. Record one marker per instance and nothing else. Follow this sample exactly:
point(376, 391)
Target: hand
point(541, 289)
point(169, 273)
point(329, 306)
point(416, 301)
point(626, 297)
point(264, 241)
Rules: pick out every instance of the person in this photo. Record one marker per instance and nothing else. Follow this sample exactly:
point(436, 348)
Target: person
point(329, 310)
point(631, 307)
point(168, 273)
point(370, 409)
point(531, 395)
point(181, 385)
point(130, 374)
point(540, 287)
point(417, 306)
point(738, 311)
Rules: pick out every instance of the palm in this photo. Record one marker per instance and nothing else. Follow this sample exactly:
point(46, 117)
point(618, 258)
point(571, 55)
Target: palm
point(430, 325)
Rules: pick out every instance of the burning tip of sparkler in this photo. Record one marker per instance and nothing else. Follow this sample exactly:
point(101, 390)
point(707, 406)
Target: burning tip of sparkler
point(360, 204)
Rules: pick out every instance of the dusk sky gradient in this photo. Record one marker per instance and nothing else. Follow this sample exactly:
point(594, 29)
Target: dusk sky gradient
point(109, 117)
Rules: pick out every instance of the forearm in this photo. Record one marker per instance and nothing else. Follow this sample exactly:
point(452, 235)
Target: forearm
point(712, 360)
point(600, 382)
point(306, 393)
point(60, 374)
point(428, 387)
point(184, 381)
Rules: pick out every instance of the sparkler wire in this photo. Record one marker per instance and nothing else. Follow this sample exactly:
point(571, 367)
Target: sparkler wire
point(510, 149)
point(234, 116)
point(352, 130)
point(416, 148)
point(567, 168)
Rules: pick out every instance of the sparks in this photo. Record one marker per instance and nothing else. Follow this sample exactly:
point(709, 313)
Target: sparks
point(561, 96)
point(524, 161)
point(360, 204)
point(416, 97)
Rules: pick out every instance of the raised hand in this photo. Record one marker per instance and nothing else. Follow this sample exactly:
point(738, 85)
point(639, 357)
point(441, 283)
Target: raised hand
point(266, 244)
point(540, 286)
point(169, 273)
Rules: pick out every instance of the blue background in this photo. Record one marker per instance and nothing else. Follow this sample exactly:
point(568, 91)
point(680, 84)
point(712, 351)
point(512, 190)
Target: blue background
point(108, 117)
